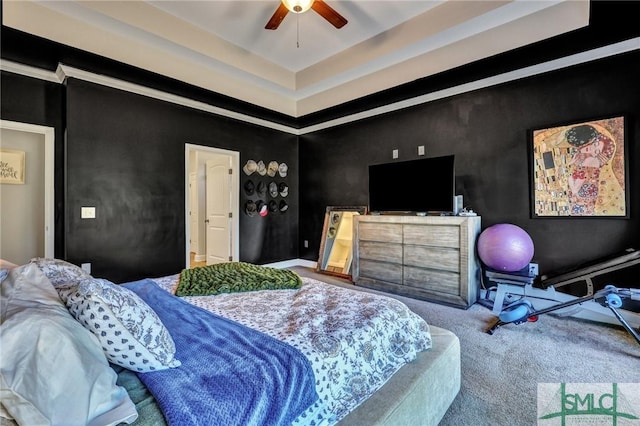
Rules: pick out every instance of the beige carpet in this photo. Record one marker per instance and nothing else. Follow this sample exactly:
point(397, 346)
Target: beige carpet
point(501, 372)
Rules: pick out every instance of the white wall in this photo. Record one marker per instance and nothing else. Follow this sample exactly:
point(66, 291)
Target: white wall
point(22, 207)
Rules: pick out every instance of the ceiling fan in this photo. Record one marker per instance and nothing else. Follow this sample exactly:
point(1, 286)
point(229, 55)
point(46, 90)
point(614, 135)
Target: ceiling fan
point(299, 6)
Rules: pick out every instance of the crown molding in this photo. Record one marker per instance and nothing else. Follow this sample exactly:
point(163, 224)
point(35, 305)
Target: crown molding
point(28, 71)
point(557, 64)
point(64, 72)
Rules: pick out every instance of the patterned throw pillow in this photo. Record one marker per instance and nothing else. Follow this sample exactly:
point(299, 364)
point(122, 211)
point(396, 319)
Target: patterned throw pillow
point(63, 275)
point(60, 273)
point(130, 332)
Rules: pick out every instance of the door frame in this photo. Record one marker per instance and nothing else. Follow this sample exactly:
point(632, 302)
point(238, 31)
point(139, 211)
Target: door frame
point(49, 169)
point(234, 188)
point(193, 181)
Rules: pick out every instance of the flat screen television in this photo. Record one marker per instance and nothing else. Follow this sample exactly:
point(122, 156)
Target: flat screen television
point(425, 185)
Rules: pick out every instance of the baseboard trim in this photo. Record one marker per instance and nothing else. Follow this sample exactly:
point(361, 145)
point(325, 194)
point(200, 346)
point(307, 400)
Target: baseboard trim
point(292, 262)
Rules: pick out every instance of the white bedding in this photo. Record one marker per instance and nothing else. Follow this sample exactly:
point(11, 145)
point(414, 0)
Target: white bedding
point(354, 340)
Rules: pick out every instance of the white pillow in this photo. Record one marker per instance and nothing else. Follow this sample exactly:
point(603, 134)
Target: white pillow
point(131, 333)
point(26, 287)
point(52, 370)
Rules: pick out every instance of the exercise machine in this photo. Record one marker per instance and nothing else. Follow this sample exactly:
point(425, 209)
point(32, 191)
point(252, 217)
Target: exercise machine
point(609, 298)
point(584, 280)
point(509, 288)
point(621, 268)
point(512, 295)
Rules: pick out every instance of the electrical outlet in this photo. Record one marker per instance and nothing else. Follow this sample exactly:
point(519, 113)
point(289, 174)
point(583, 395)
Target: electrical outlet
point(421, 150)
point(394, 153)
point(86, 267)
point(306, 243)
point(87, 212)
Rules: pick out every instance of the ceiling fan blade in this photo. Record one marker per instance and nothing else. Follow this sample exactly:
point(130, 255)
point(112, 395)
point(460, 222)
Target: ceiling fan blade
point(328, 13)
point(277, 17)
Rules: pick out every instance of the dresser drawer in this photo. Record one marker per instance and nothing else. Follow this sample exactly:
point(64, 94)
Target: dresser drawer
point(434, 235)
point(381, 271)
point(385, 232)
point(436, 281)
point(432, 257)
point(384, 252)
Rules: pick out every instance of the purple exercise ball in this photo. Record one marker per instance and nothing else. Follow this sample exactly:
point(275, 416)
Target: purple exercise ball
point(505, 247)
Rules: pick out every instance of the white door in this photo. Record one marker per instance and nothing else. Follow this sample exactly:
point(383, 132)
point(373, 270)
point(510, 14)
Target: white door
point(218, 201)
point(193, 212)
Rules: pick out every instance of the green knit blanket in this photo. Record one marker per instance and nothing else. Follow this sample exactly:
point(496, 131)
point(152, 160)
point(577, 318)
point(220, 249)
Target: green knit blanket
point(234, 277)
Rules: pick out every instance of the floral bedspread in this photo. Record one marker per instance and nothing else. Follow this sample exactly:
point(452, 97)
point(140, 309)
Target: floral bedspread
point(355, 340)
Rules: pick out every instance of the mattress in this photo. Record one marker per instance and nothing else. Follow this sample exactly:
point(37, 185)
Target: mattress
point(407, 372)
point(354, 340)
point(418, 393)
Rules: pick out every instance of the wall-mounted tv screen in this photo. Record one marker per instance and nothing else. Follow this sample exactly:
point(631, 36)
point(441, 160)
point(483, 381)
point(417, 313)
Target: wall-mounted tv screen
point(426, 185)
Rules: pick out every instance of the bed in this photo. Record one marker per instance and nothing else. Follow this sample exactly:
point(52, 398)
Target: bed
point(339, 356)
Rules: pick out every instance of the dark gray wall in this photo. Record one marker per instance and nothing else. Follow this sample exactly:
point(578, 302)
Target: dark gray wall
point(34, 101)
point(126, 154)
point(488, 131)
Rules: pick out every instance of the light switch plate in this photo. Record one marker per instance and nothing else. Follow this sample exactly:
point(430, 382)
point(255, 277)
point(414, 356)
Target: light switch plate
point(421, 150)
point(87, 212)
point(394, 153)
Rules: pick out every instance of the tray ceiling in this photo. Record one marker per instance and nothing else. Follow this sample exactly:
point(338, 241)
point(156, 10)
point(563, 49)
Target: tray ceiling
point(306, 65)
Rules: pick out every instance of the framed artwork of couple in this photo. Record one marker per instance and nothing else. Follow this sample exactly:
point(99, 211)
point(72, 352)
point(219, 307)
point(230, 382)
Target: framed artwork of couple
point(580, 170)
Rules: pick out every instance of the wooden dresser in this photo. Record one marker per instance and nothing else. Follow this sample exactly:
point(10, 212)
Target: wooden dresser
point(424, 257)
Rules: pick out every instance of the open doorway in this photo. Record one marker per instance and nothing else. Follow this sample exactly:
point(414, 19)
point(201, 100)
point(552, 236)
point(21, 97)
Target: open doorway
point(27, 205)
point(211, 205)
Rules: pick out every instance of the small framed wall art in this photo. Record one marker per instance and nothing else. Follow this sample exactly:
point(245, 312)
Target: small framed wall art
point(11, 166)
point(580, 169)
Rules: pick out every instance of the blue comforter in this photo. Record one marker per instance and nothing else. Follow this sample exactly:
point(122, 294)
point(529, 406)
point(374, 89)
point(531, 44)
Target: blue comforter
point(230, 374)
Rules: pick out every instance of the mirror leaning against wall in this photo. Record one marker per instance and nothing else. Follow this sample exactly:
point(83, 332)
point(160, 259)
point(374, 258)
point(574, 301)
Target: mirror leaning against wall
point(336, 251)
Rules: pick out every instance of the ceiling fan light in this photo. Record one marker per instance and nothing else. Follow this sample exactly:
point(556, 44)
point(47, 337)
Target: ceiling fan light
point(298, 6)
